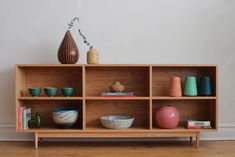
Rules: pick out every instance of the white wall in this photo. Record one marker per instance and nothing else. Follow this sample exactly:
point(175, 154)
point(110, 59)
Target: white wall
point(124, 31)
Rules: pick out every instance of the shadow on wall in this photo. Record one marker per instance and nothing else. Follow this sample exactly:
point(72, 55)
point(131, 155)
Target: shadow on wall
point(7, 96)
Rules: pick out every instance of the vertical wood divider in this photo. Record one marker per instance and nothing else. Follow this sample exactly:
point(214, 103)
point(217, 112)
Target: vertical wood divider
point(16, 95)
point(216, 95)
point(150, 100)
point(83, 97)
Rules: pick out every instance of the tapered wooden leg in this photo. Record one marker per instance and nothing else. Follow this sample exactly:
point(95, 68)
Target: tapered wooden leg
point(36, 140)
point(40, 140)
point(191, 140)
point(197, 139)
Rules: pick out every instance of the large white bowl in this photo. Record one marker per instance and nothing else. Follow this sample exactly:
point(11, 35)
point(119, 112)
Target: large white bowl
point(116, 121)
point(65, 118)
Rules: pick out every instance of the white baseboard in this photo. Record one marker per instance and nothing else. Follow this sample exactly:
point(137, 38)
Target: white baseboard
point(225, 132)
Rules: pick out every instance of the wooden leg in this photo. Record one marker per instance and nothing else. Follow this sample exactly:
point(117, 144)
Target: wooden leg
point(191, 140)
point(36, 140)
point(197, 139)
point(40, 140)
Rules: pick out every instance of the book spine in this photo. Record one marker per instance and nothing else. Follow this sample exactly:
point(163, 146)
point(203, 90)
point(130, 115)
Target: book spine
point(117, 94)
point(198, 127)
point(20, 117)
point(198, 123)
point(28, 117)
point(25, 118)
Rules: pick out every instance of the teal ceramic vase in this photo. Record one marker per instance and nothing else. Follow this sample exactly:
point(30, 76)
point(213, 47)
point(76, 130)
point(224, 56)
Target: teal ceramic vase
point(67, 91)
point(190, 86)
point(205, 86)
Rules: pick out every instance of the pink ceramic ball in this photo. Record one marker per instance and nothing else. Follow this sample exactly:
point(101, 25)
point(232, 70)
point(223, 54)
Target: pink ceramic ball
point(167, 117)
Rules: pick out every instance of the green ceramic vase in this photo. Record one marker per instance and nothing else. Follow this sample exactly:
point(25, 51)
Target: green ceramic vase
point(190, 86)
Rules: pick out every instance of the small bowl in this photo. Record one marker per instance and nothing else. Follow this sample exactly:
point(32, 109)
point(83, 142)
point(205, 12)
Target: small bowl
point(50, 91)
point(34, 91)
point(65, 118)
point(67, 91)
point(116, 121)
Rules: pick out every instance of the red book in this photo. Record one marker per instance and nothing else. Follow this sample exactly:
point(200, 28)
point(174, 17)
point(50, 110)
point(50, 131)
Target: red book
point(193, 127)
point(20, 117)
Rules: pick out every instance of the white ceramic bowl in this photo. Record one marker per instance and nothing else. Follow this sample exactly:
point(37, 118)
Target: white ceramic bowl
point(65, 118)
point(116, 121)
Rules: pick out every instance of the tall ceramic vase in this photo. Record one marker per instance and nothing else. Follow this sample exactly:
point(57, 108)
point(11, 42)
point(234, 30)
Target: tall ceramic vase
point(68, 51)
point(190, 86)
point(175, 89)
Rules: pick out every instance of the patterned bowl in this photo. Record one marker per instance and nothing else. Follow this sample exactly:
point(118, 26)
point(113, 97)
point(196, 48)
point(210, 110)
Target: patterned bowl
point(116, 121)
point(65, 118)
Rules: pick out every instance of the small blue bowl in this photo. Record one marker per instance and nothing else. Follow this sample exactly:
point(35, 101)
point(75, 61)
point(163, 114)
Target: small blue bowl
point(34, 91)
point(50, 91)
point(67, 91)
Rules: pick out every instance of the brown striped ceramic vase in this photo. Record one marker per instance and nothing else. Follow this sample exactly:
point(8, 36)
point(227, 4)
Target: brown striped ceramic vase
point(68, 51)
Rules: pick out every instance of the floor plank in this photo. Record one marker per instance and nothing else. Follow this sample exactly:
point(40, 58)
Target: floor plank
point(118, 149)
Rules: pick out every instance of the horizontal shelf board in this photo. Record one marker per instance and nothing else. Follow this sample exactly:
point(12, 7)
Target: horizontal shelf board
point(183, 98)
point(49, 65)
point(132, 129)
point(116, 65)
point(180, 129)
point(50, 98)
point(51, 130)
point(117, 98)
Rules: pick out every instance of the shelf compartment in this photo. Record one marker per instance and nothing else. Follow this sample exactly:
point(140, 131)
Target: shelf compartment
point(46, 107)
point(139, 109)
point(100, 78)
point(190, 110)
point(161, 77)
point(47, 76)
point(49, 98)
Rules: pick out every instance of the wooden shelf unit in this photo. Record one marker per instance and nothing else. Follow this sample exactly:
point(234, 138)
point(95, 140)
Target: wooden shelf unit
point(150, 84)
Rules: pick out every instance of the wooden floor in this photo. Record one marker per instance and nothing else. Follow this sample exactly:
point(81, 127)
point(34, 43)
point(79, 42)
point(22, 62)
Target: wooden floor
point(118, 149)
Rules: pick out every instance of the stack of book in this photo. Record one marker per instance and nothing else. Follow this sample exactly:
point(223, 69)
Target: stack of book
point(24, 116)
point(117, 94)
point(198, 124)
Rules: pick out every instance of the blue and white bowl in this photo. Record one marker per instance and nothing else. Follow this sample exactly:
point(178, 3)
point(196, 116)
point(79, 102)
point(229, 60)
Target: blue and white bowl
point(65, 118)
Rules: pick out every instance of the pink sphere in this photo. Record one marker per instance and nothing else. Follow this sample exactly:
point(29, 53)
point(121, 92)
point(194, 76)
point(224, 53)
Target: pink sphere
point(167, 117)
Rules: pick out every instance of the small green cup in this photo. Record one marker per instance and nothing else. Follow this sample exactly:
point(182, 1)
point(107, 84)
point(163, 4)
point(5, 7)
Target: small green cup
point(34, 91)
point(50, 91)
point(67, 91)
point(190, 86)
